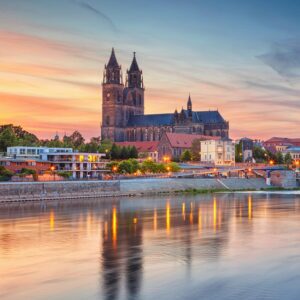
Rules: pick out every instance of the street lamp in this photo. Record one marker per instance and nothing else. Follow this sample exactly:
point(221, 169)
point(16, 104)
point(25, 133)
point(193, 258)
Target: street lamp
point(271, 162)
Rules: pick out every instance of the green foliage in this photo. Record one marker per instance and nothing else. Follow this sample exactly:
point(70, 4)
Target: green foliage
point(115, 152)
point(7, 138)
point(131, 166)
point(195, 150)
point(76, 139)
point(238, 152)
point(186, 156)
point(279, 158)
point(149, 166)
point(64, 174)
point(124, 153)
point(259, 154)
point(133, 153)
point(118, 152)
point(26, 172)
point(174, 167)
point(288, 158)
point(5, 174)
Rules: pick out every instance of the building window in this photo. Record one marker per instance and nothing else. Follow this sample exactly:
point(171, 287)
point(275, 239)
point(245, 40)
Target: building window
point(107, 120)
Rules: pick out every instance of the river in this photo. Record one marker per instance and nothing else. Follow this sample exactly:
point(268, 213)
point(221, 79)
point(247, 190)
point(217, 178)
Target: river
point(222, 246)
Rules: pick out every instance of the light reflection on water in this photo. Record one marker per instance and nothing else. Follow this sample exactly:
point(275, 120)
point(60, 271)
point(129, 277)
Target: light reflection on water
point(186, 247)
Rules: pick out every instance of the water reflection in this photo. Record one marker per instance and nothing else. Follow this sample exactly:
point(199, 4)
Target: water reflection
point(151, 248)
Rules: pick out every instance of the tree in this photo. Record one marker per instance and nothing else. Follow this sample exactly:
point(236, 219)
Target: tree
point(105, 146)
point(5, 174)
point(195, 149)
point(238, 152)
point(133, 153)
point(173, 167)
point(115, 152)
point(126, 166)
point(7, 139)
point(279, 158)
point(64, 174)
point(186, 155)
point(26, 172)
point(259, 154)
point(76, 139)
point(124, 154)
point(288, 158)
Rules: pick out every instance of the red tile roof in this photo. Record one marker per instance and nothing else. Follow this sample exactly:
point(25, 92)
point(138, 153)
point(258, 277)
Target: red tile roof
point(141, 146)
point(183, 140)
point(282, 141)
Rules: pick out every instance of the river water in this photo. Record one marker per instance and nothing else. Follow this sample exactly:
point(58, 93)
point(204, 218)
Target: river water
point(223, 246)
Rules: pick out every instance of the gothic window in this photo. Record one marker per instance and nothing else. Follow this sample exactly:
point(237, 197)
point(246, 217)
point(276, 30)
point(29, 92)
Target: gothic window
point(107, 120)
point(140, 99)
point(107, 96)
point(134, 98)
point(119, 97)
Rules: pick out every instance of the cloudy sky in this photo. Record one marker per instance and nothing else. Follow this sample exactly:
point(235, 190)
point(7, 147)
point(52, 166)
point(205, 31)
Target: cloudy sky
point(238, 56)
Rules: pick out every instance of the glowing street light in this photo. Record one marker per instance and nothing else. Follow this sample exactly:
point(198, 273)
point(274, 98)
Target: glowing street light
point(166, 158)
point(271, 162)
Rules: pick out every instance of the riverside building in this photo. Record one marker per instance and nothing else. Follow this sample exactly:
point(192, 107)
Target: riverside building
point(218, 152)
point(42, 159)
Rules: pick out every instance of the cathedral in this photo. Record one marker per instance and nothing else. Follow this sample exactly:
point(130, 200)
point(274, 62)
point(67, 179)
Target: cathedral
point(123, 117)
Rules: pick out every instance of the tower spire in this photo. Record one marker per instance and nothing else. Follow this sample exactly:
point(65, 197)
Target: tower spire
point(189, 106)
point(112, 72)
point(134, 75)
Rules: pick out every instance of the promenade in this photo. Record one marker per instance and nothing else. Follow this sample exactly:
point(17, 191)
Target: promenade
point(30, 191)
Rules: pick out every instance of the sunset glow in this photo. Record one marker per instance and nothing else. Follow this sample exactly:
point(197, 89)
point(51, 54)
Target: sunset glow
point(51, 68)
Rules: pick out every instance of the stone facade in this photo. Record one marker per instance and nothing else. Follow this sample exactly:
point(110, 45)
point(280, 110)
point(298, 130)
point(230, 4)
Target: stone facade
point(123, 117)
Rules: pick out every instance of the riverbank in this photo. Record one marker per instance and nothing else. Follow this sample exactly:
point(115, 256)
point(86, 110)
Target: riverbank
point(35, 191)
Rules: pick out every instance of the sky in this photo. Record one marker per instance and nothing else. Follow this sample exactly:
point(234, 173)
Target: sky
point(240, 57)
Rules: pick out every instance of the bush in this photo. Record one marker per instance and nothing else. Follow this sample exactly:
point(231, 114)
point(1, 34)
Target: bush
point(186, 156)
point(26, 172)
point(173, 167)
point(64, 174)
point(5, 174)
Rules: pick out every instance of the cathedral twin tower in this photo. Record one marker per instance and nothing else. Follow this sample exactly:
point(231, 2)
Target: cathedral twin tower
point(123, 117)
point(120, 101)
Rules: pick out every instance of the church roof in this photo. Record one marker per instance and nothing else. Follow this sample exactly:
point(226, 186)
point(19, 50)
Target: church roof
point(207, 117)
point(168, 119)
point(134, 65)
point(112, 63)
point(145, 146)
point(151, 120)
point(183, 140)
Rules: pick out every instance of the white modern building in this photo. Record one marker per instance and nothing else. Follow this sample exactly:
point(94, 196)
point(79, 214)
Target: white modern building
point(80, 165)
point(33, 152)
point(218, 152)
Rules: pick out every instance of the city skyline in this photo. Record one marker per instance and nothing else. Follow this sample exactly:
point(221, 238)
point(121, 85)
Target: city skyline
point(240, 58)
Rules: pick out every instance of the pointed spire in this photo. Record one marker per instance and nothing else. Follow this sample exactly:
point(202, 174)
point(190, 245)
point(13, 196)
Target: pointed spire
point(112, 63)
point(134, 65)
point(189, 100)
point(112, 73)
point(135, 75)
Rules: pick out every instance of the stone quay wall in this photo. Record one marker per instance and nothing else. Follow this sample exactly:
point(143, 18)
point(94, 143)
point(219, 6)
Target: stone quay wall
point(28, 191)
point(285, 179)
point(56, 189)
